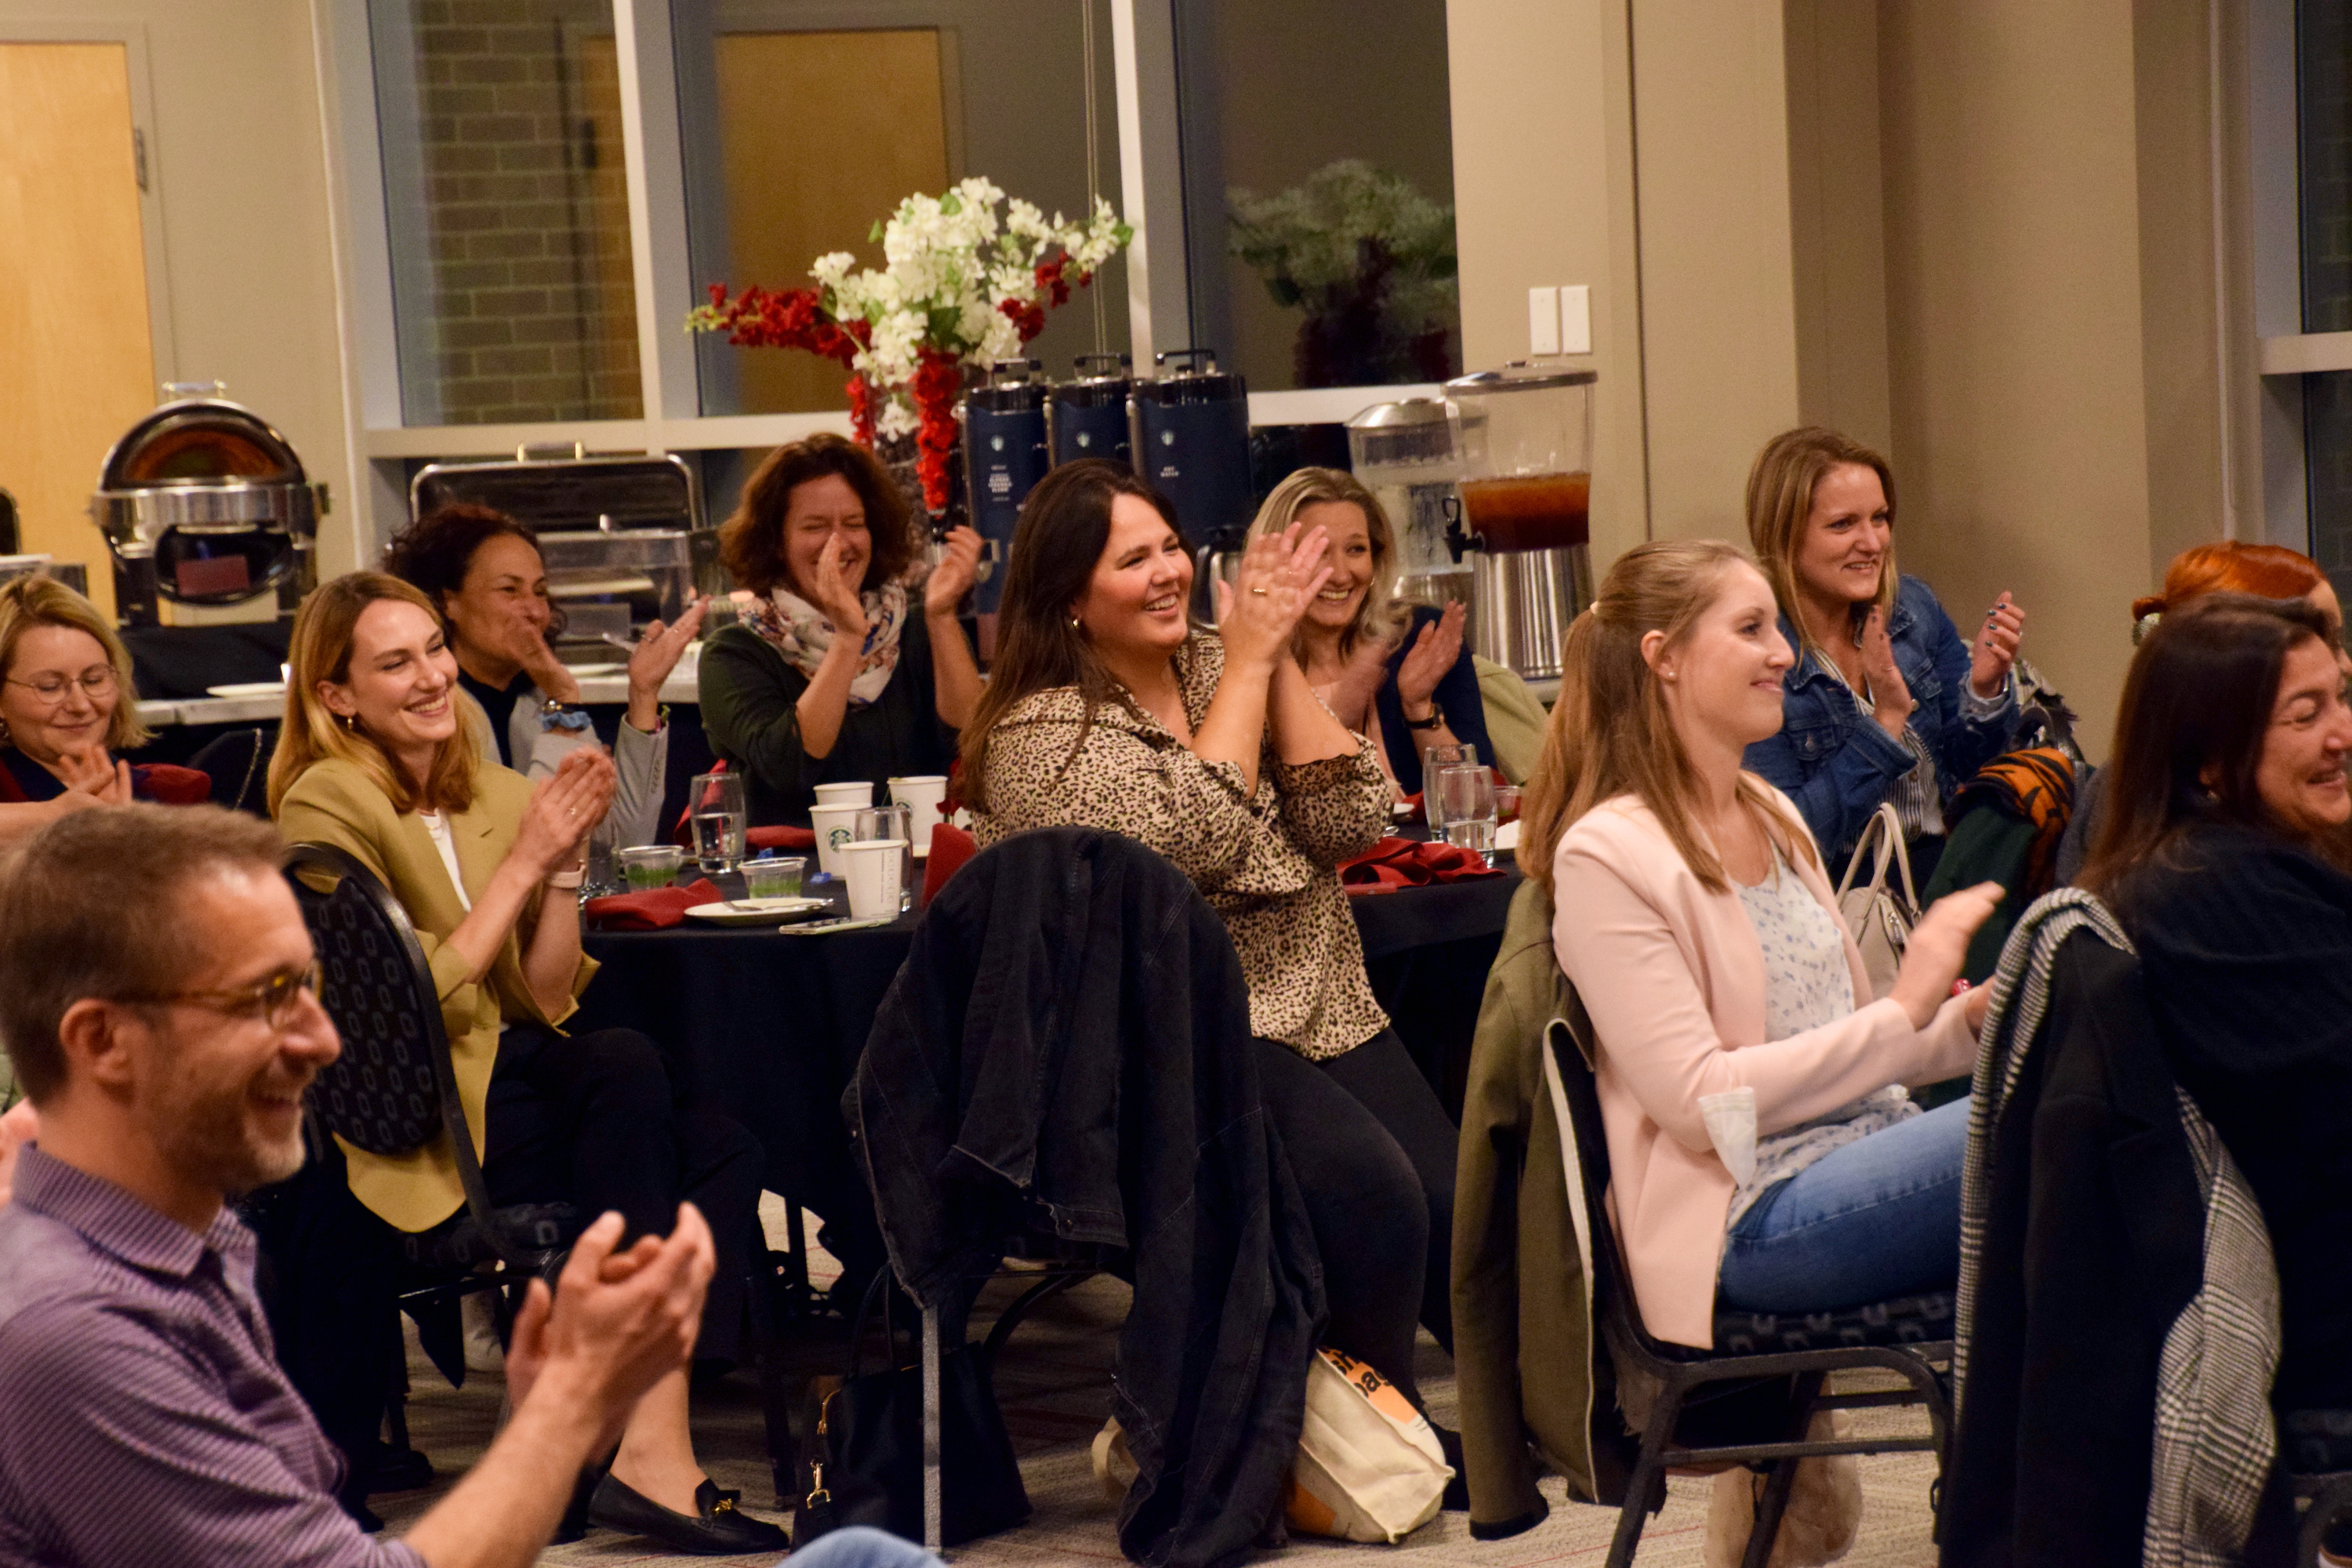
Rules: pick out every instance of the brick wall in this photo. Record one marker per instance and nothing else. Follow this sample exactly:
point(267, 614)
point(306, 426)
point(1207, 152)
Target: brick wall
point(533, 310)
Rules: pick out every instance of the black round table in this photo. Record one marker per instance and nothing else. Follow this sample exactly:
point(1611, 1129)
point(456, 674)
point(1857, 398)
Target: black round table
point(766, 1027)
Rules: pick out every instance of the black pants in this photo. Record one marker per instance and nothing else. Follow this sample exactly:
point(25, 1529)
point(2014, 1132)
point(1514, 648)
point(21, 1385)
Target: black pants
point(590, 1119)
point(1374, 1155)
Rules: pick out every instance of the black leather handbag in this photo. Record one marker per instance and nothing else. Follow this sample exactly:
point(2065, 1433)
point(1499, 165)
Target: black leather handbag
point(865, 1447)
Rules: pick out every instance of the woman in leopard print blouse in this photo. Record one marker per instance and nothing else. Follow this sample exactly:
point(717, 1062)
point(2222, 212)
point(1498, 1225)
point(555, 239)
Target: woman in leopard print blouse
point(1107, 708)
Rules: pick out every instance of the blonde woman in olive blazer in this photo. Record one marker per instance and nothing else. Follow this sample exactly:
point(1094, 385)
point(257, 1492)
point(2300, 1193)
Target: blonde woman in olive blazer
point(336, 802)
point(372, 758)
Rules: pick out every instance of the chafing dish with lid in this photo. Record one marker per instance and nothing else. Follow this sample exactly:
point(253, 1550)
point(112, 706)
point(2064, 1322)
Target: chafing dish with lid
point(201, 503)
point(622, 536)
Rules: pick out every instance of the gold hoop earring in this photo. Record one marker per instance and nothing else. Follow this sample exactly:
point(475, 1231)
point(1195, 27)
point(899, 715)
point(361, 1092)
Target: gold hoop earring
point(350, 724)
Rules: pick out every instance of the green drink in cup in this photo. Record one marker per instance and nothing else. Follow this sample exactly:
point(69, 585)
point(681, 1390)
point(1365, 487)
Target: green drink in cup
point(772, 877)
point(650, 866)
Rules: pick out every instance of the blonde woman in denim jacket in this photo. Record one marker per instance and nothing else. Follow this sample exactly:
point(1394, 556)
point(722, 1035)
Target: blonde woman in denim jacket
point(1885, 703)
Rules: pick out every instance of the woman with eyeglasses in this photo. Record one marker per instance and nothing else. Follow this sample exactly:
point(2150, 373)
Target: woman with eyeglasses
point(66, 708)
point(372, 758)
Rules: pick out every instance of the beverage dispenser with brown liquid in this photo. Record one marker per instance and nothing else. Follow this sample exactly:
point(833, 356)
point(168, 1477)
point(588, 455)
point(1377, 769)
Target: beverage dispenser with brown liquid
point(1525, 486)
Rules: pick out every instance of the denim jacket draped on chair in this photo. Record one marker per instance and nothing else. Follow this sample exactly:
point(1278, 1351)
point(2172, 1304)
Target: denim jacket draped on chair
point(1834, 761)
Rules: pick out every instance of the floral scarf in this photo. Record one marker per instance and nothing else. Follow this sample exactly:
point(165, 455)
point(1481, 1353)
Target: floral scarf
point(799, 630)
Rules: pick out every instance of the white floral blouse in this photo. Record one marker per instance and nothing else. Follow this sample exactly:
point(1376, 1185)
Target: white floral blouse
point(1263, 863)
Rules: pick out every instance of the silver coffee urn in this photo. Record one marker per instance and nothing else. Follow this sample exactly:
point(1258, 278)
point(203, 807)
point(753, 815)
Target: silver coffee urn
point(1525, 486)
point(1408, 454)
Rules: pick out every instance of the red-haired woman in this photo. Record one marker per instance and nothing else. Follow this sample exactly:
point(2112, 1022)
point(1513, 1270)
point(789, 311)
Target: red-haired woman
point(2225, 567)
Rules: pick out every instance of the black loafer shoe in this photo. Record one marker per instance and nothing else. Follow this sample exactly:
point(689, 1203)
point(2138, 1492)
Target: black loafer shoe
point(715, 1530)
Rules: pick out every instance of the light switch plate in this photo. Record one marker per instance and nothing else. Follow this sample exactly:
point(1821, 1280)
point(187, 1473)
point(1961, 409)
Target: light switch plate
point(1575, 320)
point(1543, 320)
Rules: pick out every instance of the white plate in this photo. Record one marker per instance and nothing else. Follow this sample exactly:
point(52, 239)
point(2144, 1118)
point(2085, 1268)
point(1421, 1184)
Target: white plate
point(758, 911)
point(595, 671)
point(1507, 836)
point(249, 688)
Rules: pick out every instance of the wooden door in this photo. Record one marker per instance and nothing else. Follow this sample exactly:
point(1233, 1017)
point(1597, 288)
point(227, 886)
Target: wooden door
point(824, 134)
point(77, 358)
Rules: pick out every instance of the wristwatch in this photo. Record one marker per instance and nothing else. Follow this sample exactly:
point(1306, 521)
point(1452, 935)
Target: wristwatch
point(1436, 720)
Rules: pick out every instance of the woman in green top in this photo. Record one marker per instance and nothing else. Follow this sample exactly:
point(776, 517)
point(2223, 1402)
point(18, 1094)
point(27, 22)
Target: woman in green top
point(849, 663)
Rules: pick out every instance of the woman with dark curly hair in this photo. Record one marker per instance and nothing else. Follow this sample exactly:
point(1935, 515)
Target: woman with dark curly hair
point(849, 663)
point(483, 569)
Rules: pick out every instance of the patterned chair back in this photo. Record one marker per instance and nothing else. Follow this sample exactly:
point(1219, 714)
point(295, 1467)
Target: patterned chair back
point(391, 1091)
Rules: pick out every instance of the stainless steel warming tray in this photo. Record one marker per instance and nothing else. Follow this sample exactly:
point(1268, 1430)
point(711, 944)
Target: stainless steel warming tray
point(201, 503)
point(622, 536)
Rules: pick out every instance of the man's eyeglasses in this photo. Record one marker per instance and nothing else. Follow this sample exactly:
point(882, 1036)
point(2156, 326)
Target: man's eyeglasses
point(95, 682)
point(272, 999)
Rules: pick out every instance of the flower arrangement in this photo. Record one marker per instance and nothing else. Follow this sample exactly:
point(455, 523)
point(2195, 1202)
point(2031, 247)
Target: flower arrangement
point(1371, 260)
point(961, 286)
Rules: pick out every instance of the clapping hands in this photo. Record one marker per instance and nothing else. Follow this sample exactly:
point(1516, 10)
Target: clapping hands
point(1433, 653)
point(958, 570)
point(831, 590)
point(1996, 646)
point(95, 774)
point(564, 810)
point(1280, 575)
point(620, 1320)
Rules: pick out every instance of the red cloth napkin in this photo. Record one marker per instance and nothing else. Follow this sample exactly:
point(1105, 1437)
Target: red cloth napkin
point(950, 847)
point(658, 910)
point(780, 837)
point(1394, 863)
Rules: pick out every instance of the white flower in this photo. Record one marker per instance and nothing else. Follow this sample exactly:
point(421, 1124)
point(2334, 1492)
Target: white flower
point(949, 262)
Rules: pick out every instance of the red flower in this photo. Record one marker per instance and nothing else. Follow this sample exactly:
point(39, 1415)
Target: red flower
point(794, 319)
point(939, 381)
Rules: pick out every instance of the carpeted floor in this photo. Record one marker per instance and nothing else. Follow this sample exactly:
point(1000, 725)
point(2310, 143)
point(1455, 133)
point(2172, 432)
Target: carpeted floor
point(1054, 1385)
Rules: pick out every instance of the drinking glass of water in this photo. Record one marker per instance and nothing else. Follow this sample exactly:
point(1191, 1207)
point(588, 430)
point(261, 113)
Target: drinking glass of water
point(894, 822)
point(1466, 791)
point(719, 817)
point(1432, 760)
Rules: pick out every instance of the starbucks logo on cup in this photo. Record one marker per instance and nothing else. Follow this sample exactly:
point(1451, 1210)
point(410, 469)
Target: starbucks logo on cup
point(836, 838)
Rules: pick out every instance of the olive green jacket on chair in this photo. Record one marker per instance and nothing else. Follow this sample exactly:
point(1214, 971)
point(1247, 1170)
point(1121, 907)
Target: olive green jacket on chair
point(336, 802)
point(1524, 1341)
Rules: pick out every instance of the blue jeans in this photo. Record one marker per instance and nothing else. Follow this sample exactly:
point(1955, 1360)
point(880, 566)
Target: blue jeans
point(1876, 1219)
point(855, 1546)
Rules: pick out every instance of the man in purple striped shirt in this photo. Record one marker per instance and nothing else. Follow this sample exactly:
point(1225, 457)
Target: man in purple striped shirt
point(157, 995)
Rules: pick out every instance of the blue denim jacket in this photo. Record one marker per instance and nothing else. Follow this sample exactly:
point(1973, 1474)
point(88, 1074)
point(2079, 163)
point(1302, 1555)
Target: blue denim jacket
point(1834, 761)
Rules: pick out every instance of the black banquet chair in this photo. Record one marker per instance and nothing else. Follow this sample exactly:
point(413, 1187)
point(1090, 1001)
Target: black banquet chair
point(393, 1090)
point(1910, 1338)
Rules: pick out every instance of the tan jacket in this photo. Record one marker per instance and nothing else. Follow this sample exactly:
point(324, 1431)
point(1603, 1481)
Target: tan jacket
point(1266, 862)
point(1523, 1337)
point(1673, 977)
point(336, 802)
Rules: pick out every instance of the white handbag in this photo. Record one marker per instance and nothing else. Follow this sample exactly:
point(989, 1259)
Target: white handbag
point(1880, 916)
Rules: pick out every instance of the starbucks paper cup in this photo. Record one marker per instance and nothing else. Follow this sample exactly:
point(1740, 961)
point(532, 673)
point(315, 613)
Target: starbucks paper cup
point(860, 794)
point(922, 794)
point(836, 826)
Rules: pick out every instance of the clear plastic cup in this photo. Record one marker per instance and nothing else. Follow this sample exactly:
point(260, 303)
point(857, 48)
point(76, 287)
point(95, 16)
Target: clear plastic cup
point(646, 866)
point(773, 878)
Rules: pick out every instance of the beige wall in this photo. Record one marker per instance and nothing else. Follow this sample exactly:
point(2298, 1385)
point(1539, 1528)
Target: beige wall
point(2021, 416)
point(236, 145)
point(1718, 306)
point(1543, 194)
point(1979, 235)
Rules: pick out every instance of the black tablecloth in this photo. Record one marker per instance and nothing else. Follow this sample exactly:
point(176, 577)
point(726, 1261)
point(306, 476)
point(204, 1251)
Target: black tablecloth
point(767, 1028)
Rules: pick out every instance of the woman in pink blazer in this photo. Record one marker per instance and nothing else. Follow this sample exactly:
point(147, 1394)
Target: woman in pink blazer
point(1761, 1143)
